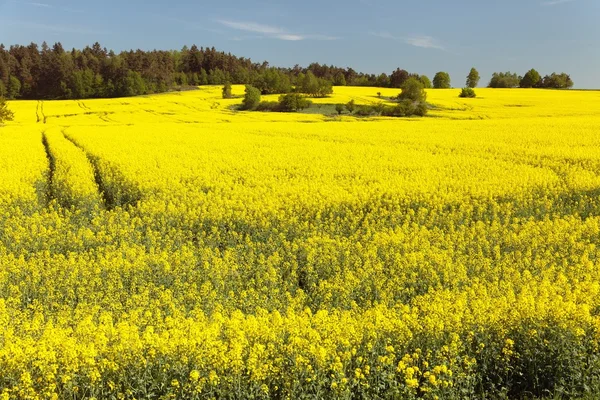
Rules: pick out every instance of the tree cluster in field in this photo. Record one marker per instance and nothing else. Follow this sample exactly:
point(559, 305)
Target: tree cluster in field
point(531, 79)
point(410, 102)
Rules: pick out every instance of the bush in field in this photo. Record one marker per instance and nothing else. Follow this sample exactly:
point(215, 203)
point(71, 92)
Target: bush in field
point(227, 91)
point(266, 106)
point(467, 92)
point(351, 106)
point(292, 102)
point(414, 90)
point(340, 108)
point(251, 98)
point(5, 113)
point(406, 108)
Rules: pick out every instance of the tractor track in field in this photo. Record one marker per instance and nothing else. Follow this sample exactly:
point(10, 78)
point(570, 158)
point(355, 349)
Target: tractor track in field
point(50, 195)
point(39, 112)
point(111, 197)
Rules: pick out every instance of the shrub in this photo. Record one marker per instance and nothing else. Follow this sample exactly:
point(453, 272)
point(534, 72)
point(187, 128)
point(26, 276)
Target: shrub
point(467, 92)
point(339, 108)
point(268, 106)
point(351, 106)
point(227, 91)
point(251, 98)
point(364, 111)
point(293, 102)
point(414, 90)
point(5, 113)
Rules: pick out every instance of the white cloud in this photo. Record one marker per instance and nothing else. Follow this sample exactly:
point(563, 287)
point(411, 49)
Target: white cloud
point(555, 2)
point(426, 42)
point(270, 31)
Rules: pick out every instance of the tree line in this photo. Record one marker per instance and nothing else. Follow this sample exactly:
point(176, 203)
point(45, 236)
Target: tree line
point(44, 72)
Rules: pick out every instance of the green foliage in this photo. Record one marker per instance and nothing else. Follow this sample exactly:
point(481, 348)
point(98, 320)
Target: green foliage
point(557, 81)
point(293, 102)
point(473, 78)
point(467, 92)
point(398, 77)
point(266, 106)
point(441, 80)
point(251, 98)
point(425, 81)
point(2, 89)
point(226, 91)
point(311, 85)
point(504, 80)
point(406, 108)
point(413, 90)
point(340, 79)
point(351, 106)
point(5, 113)
point(14, 88)
point(273, 81)
point(531, 79)
point(339, 108)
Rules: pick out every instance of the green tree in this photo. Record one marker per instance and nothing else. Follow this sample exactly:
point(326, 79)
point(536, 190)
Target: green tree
point(5, 113)
point(531, 79)
point(473, 78)
point(351, 106)
point(413, 90)
point(557, 81)
point(504, 80)
point(251, 98)
point(14, 88)
point(441, 80)
point(425, 81)
point(339, 108)
point(227, 91)
point(340, 79)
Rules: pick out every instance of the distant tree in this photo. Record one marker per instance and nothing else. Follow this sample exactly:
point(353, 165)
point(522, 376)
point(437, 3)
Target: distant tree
point(292, 102)
point(382, 80)
point(441, 80)
point(467, 92)
point(2, 89)
point(425, 81)
point(311, 85)
point(339, 108)
point(251, 98)
point(273, 81)
point(473, 78)
point(351, 106)
point(5, 113)
point(398, 77)
point(557, 81)
point(14, 88)
point(504, 80)
point(340, 79)
point(531, 79)
point(413, 90)
point(226, 91)
point(379, 94)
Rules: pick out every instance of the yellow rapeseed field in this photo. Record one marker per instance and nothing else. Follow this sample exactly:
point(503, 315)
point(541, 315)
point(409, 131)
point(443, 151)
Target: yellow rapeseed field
point(169, 246)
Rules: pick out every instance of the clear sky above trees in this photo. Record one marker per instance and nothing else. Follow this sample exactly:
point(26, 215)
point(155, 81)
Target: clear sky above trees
point(368, 35)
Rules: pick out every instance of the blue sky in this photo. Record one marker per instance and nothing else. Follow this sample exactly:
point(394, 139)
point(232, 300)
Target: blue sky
point(373, 36)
